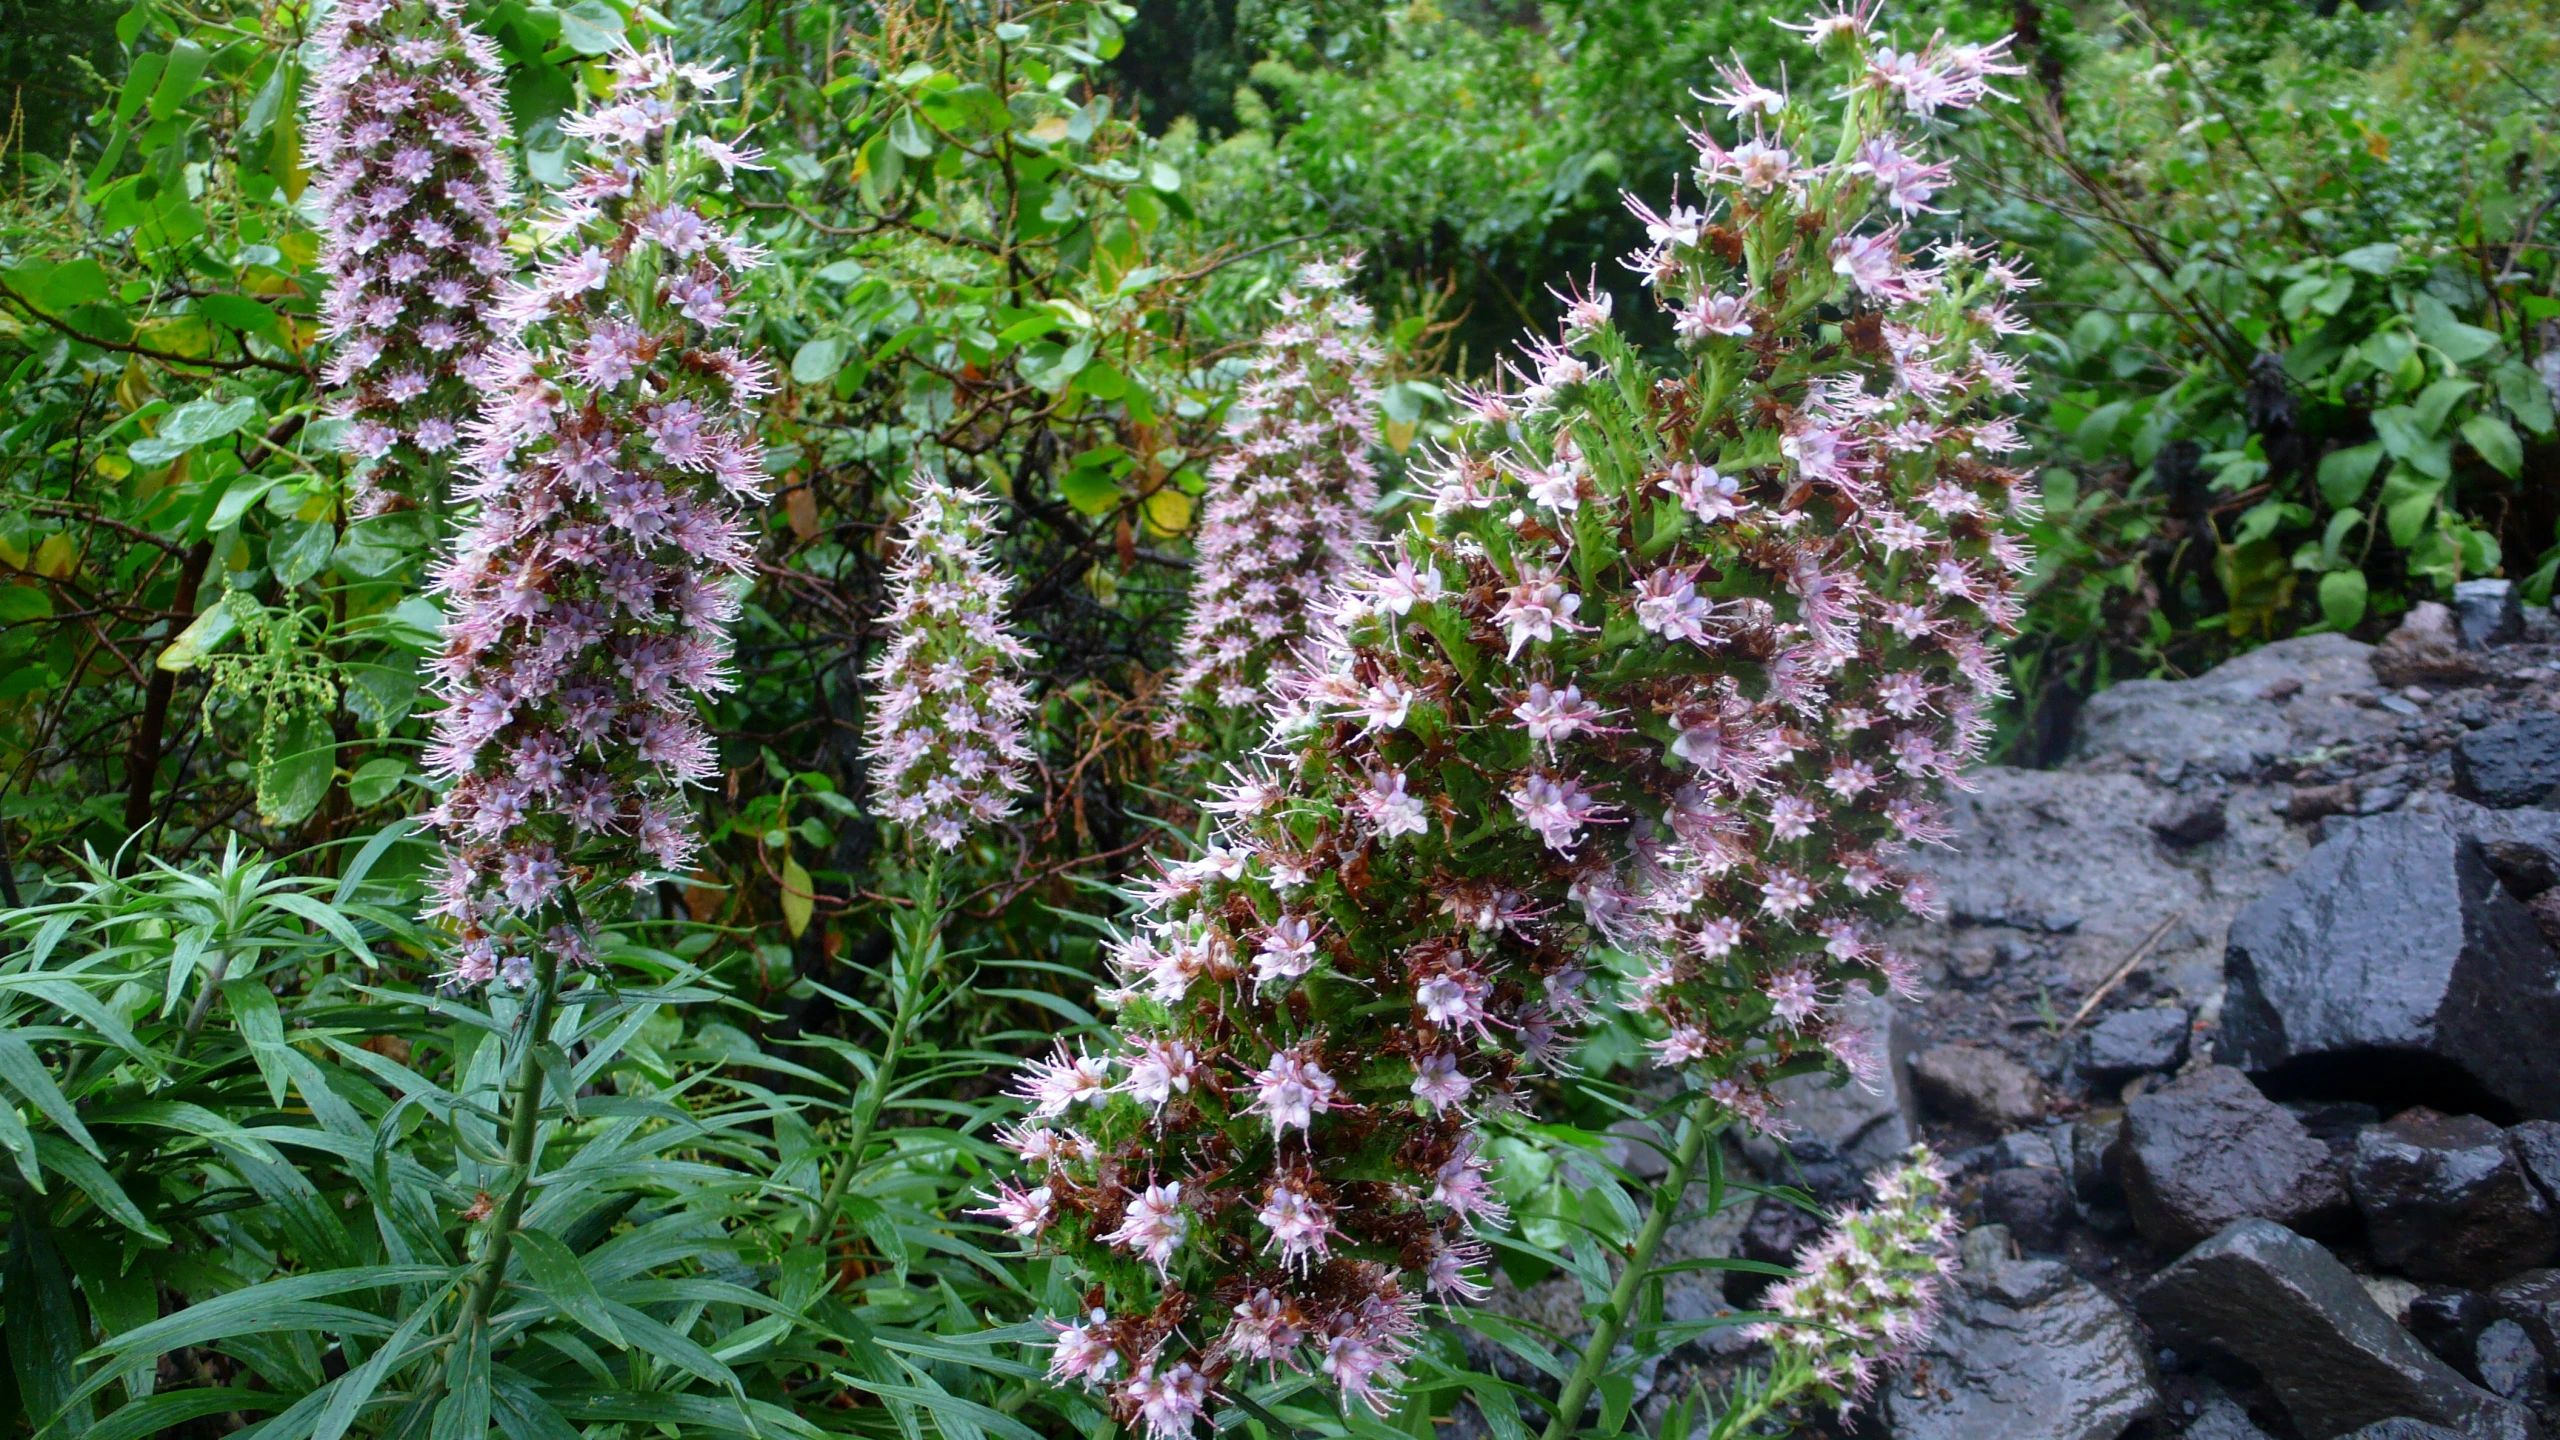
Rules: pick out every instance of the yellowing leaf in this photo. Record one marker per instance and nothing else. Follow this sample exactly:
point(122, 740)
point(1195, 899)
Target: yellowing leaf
point(58, 556)
point(1399, 435)
point(1168, 512)
point(1050, 130)
point(799, 897)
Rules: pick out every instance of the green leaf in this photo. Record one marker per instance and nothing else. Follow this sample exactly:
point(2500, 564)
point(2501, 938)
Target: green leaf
point(375, 779)
point(2525, 396)
point(304, 553)
point(2406, 504)
point(63, 1159)
point(817, 362)
point(202, 637)
point(22, 603)
point(56, 288)
point(242, 314)
point(254, 1014)
point(2344, 474)
point(909, 138)
point(1091, 491)
point(566, 1285)
point(192, 424)
point(2342, 598)
point(44, 1329)
point(591, 27)
point(2435, 403)
point(328, 918)
point(2460, 343)
point(2376, 259)
point(2497, 443)
point(298, 771)
point(26, 1074)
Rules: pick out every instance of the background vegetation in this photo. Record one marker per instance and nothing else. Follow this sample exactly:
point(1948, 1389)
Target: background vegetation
point(2296, 369)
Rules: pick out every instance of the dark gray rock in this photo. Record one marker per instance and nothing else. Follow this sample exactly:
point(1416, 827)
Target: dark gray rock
point(2449, 1323)
point(2444, 1200)
point(2532, 1301)
point(2506, 1358)
point(2511, 764)
point(2537, 1148)
point(2024, 1349)
point(2393, 936)
point(2401, 1427)
point(1776, 1233)
point(2190, 818)
point(2223, 1419)
point(2133, 1042)
point(1970, 1084)
point(2094, 1177)
point(2035, 1203)
point(2208, 1150)
point(2271, 702)
point(2487, 612)
point(2265, 1296)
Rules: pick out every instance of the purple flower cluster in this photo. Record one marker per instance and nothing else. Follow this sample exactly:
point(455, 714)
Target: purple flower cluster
point(612, 466)
point(1289, 499)
point(1863, 1298)
point(946, 742)
point(1652, 712)
point(406, 122)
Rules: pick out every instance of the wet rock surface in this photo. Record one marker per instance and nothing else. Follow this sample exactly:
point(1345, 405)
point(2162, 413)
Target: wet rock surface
point(2443, 1199)
point(2369, 806)
point(2270, 1299)
point(2209, 1150)
point(2394, 938)
point(2025, 1349)
point(1970, 1084)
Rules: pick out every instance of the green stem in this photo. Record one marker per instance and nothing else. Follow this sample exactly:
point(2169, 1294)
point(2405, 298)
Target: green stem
point(1667, 1198)
point(523, 1126)
point(919, 946)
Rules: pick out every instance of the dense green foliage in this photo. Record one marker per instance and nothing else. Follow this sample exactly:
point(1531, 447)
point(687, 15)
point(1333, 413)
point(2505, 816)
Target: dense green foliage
point(2293, 368)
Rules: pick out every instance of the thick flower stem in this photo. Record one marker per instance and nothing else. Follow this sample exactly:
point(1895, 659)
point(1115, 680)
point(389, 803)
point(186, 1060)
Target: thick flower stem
point(919, 953)
point(1667, 1199)
point(523, 1127)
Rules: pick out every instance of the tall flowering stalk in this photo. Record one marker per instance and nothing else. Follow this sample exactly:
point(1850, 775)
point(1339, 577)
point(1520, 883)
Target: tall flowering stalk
point(947, 747)
point(406, 123)
point(591, 594)
point(1863, 1298)
point(1290, 498)
point(1657, 705)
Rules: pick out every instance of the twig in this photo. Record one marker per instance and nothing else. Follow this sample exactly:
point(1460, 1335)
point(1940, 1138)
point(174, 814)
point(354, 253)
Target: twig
point(2130, 961)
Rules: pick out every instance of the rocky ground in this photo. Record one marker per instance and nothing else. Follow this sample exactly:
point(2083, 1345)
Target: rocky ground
point(2244, 1036)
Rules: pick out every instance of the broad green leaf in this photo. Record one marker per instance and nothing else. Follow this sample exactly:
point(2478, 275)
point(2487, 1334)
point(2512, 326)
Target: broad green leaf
point(2497, 443)
point(57, 288)
point(2345, 474)
point(298, 773)
point(2342, 598)
point(2377, 259)
point(304, 551)
point(591, 27)
point(817, 362)
point(2460, 343)
point(2525, 396)
point(202, 637)
point(22, 604)
point(799, 897)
